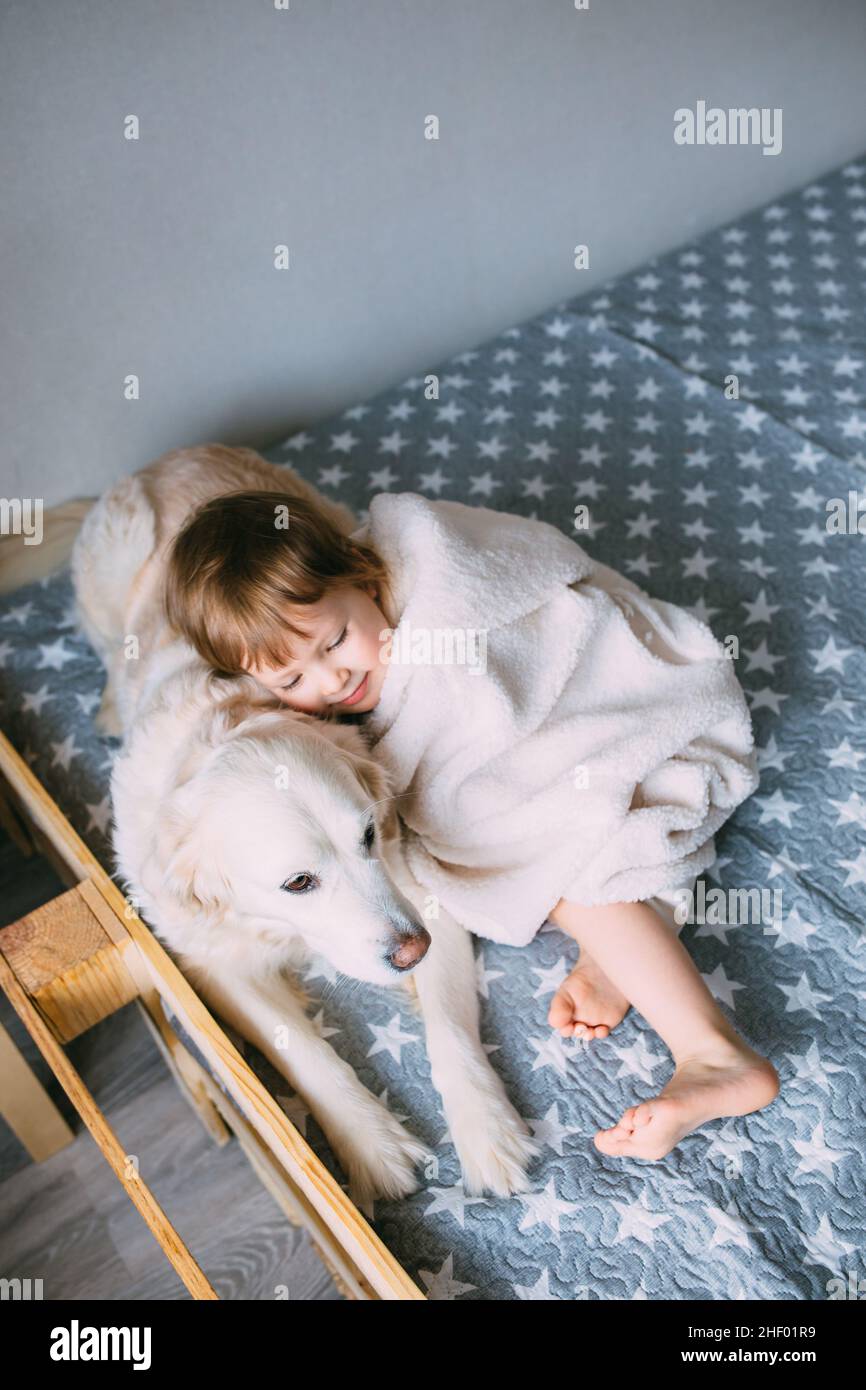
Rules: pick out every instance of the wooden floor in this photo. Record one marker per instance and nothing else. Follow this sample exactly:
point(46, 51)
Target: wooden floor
point(68, 1221)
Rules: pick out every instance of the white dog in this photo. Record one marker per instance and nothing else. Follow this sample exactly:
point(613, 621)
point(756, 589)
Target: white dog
point(223, 799)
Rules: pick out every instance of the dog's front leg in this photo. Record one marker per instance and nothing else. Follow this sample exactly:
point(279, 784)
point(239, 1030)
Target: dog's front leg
point(491, 1139)
point(376, 1152)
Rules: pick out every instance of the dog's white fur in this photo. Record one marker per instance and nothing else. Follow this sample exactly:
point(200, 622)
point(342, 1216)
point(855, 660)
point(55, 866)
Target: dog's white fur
point(220, 795)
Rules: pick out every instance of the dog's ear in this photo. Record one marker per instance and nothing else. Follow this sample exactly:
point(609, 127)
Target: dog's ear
point(375, 782)
point(346, 740)
point(189, 874)
point(240, 707)
point(232, 702)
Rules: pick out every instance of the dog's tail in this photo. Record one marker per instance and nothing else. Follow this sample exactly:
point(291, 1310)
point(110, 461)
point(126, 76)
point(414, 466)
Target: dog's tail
point(116, 539)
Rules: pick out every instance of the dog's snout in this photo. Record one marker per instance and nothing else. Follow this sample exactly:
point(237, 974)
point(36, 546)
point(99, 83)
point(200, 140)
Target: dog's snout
point(410, 950)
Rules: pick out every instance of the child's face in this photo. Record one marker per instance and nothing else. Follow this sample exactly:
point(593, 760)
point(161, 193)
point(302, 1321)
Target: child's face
point(341, 654)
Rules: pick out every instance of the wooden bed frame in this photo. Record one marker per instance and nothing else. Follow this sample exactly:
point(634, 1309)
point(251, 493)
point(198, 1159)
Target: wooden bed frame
point(86, 954)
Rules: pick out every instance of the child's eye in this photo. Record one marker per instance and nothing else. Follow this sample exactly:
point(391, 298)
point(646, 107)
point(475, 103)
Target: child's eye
point(333, 647)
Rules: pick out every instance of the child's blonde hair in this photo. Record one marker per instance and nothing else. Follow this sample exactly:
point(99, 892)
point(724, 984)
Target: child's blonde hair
point(235, 566)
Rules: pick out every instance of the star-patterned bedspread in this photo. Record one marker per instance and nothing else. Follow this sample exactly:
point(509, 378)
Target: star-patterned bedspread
point(704, 409)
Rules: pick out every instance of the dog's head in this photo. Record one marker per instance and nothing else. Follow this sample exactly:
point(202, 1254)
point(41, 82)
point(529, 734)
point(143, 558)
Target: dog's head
point(276, 833)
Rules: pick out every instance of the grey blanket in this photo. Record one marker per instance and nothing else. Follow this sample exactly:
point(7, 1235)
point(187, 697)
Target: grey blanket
point(715, 503)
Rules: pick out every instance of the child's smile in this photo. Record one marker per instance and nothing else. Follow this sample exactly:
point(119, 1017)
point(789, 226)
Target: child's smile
point(342, 661)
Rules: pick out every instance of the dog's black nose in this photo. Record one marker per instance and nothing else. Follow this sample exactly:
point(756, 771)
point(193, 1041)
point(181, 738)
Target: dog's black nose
point(410, 949)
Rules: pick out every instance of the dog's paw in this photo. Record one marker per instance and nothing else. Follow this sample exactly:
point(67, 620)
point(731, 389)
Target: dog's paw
point(494, 1147)
point(380, 1158)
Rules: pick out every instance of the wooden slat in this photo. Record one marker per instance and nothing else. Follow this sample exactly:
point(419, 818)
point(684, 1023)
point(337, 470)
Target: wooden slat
point(68, 964)
point(291, 1201)
point(136, 1189)
point(189, 1075)
point(354, 1235)
point(187, 1071)
point(14, 826)
point(27, 1107)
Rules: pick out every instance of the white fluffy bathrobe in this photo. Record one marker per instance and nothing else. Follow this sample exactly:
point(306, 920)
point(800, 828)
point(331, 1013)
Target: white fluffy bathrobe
point(605, 741)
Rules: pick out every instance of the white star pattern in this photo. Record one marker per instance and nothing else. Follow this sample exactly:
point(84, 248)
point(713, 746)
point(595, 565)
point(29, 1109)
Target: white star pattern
point(616, 400)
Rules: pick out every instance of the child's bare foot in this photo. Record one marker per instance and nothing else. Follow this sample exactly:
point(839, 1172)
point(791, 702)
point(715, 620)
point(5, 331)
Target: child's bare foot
point(587, 1004)
point(726, 1079)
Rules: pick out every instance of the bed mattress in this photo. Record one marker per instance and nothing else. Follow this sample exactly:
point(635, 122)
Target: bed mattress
point(705, 409)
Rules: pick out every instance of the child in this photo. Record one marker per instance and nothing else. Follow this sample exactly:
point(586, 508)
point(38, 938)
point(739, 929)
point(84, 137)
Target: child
point(575, 769)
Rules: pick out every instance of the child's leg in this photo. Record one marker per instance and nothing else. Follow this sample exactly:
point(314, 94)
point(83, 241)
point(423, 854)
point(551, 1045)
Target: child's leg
point(647, 961)
point(588, 1004)
point(716, 1074)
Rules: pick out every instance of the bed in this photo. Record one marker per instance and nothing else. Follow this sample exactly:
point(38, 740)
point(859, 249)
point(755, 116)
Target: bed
point(704, 410)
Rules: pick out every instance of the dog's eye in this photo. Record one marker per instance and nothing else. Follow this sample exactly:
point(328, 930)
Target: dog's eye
point(300, 883)
point(369, 836)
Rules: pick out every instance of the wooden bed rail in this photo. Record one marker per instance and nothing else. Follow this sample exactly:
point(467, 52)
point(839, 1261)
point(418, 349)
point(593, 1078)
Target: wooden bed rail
point(32, 944)
point(137, 962)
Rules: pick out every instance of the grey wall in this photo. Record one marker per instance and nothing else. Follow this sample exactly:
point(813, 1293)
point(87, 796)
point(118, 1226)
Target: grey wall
point(261, 126)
